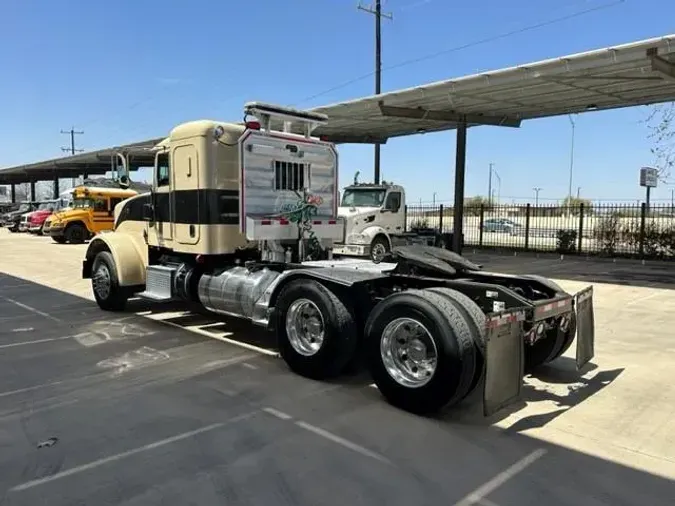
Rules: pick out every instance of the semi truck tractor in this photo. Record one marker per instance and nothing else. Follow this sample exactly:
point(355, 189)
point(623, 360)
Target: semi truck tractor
point(242, 221)
point(375, 221)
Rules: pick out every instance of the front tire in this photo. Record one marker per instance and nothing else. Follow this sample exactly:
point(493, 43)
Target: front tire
point(420, 351)
point(316, 330)
point(59, 239)
point(109, 295)
point(76, 233)
point(379, 248)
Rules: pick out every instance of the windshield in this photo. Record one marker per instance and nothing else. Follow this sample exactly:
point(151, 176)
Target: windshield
point(81, 203)
point(46, 206)
point(363, 198)
point(24, 208)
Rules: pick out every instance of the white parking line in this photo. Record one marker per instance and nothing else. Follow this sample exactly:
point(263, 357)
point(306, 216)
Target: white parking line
point(478, 495)
point(28, 389)
point(37, 341)
point(343, 442)
point(277, 413)
point(222, 336)
point(119, 456)
point(31, 309)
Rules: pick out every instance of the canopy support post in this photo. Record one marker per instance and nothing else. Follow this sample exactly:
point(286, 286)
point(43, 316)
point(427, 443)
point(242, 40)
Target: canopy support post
point(460, 170)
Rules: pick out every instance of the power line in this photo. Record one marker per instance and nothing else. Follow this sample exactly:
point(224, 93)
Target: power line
point(377, 12)
point(468, 45)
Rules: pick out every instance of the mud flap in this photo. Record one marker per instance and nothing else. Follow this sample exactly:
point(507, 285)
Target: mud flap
point(504, 360)
point(583, 304)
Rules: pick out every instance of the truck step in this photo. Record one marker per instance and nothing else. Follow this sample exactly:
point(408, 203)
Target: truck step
point(158, 283)
point(156, 297)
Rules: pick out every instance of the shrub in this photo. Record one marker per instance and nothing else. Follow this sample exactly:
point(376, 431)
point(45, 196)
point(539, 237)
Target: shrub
point(607, 233)
point(567, 241)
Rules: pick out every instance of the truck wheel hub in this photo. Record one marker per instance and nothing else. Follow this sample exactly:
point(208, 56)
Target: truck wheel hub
point(305, 327)
point(408, 352)
point(101, 281)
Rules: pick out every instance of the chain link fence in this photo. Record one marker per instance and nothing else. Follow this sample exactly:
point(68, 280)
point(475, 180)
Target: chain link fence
point(607, 230)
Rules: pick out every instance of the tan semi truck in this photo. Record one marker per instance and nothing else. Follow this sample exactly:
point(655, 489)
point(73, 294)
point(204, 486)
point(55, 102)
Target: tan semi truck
point(241, 221)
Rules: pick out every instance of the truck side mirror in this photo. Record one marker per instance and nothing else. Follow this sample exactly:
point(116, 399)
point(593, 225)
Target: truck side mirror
point(148, 212)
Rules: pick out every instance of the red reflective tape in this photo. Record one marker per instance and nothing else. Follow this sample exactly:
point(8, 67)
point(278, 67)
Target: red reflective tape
point(332, 222)
point(316, 222)
point(284, 222)
point(548, 307)
point(266, 222)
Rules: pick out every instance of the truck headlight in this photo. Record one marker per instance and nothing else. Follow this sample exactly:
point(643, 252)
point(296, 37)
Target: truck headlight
point(358, 239)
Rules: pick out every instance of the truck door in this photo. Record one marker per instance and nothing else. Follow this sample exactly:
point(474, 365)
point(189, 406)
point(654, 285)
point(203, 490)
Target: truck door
point(162, 196)
point(100, 217)
point(391, 219)
point(185, 196)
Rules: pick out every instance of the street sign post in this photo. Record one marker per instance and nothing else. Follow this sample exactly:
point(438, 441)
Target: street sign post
point(649, 178)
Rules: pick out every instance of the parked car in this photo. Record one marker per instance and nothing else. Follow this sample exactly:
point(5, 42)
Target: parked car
point(13, 219)
point(38, 218)
point(503, 225)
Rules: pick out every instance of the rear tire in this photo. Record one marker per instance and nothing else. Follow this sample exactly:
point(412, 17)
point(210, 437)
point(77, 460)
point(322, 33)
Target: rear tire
point(476, 318)
point(550, 347)
point(76, 233)
point(401, 365)
point(109, 295)
point(316, 330)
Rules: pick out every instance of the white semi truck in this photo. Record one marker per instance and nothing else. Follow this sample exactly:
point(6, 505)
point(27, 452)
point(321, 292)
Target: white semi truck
point(375, 222)
point(242, 220)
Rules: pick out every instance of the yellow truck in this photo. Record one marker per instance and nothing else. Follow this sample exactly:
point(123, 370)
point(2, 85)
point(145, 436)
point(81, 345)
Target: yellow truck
point(90, 213)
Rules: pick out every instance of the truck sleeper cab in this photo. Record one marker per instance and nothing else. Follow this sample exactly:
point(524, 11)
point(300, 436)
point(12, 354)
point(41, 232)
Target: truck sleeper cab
point(241, 222)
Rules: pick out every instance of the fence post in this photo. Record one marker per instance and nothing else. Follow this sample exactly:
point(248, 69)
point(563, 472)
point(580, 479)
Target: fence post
point(480, 225)
point(405, 218)
point(527, 226)
point(643, 222)
point(440, 220)
point(581, 226)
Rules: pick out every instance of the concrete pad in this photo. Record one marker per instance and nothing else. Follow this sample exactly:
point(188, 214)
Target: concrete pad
point(137, 411)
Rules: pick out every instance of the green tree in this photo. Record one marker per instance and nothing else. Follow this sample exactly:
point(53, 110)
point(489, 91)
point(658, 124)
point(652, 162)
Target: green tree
point(472, 205)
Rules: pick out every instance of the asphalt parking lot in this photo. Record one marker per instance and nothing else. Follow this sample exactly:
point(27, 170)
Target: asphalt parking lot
point(156, 406)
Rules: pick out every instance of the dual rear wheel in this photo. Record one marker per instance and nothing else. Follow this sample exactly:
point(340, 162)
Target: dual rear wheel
point(424, 348)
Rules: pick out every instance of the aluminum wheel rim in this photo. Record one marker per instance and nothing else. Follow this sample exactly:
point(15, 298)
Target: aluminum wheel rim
point(379, 251)
point(102, 281)
point(408, 352)
point(305, 327)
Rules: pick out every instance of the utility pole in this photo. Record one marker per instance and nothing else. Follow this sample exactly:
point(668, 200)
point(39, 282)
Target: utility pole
point(490, 186)
point(536, 195)
point(72, 149)
point(377, 12)
point(569, 191)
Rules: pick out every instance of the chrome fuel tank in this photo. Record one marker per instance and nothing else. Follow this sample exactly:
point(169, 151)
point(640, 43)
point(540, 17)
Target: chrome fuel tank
point(235, 291)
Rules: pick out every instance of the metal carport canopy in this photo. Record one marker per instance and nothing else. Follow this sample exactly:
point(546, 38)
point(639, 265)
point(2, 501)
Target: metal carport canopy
point(638, 73)
point(140, 154)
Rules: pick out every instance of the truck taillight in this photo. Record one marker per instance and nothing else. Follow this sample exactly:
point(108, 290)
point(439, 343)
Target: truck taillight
point(253, 125)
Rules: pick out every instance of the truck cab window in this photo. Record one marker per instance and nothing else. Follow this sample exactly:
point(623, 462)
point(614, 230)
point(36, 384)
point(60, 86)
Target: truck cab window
point(393, 202)
point(163, 170)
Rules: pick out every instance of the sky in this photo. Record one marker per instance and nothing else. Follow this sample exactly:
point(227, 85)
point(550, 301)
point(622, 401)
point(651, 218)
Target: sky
point(130, 70)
